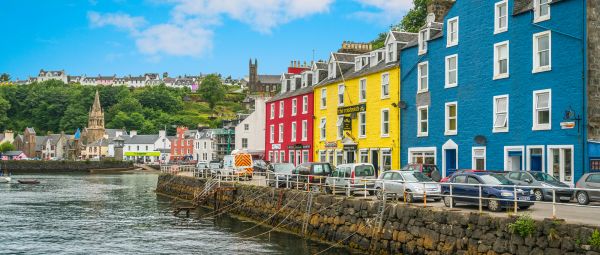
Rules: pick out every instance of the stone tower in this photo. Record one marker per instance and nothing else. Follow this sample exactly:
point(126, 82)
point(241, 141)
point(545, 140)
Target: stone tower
point(95, 128)
point(253, 75)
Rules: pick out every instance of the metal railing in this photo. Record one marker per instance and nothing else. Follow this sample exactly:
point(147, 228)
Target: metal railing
point(497, 197)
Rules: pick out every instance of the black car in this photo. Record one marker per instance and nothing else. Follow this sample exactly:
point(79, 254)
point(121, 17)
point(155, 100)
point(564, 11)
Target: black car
point(312, 172)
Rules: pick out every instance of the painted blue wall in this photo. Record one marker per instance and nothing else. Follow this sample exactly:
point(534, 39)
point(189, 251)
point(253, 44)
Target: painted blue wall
point(476, 88)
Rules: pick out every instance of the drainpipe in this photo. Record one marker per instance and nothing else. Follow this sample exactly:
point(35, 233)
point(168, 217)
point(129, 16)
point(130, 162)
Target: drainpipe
point(584, 155)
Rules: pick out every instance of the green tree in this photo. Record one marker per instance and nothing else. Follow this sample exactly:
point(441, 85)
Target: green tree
point(4, 107)
point(6, 146)
point(414, 20)
point(212, 90)
point(5, 77)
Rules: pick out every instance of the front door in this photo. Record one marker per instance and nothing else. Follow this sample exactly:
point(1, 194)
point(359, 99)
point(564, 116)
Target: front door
point(375, 161)
point(535, 159)
point(561, 164)
point(513, 161)
point(450, 163)
point(298, 157)
point(349, 157)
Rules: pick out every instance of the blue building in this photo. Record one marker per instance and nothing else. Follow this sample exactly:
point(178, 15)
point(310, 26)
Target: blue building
point(503, 85)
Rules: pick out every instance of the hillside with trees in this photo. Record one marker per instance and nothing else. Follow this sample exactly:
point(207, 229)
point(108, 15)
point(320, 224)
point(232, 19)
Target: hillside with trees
point(53, 106)
point(411, 22)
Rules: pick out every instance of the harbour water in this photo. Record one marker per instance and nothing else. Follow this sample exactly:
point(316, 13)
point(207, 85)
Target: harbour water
point(121, 214)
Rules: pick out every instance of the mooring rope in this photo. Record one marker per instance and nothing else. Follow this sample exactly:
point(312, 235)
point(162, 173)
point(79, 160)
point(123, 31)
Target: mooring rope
point(273, 215)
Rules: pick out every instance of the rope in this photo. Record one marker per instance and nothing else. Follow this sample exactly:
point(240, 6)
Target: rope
point(241, 203)
point(273, 215)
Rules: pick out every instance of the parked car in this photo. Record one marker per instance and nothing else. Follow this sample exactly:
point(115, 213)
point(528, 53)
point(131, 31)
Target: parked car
point(445, 179)
point(279, 174)
point(588, 181)
point(416, 184)
point(353, 176)
point(430, 170)
point(312, 172)
point(544, 184)
point(260, 166)
point(468, 192)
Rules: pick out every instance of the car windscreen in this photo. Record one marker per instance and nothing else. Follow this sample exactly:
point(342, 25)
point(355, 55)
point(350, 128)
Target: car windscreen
point(415, 177)
point(366, 170)
point(429, 169)
point(544, 177)
point(283, 168)
point(495, 179)
point(321, 169)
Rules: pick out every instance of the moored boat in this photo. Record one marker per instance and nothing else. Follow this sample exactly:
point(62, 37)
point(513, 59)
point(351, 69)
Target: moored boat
point(28, 181)
point(5, 179)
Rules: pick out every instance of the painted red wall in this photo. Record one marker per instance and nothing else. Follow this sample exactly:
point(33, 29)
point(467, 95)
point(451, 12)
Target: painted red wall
point(297, 70)
point(177, 149)
point(287, 126)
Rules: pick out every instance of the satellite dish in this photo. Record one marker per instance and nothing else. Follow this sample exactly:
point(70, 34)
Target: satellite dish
point(430, 18)
point(481, 140)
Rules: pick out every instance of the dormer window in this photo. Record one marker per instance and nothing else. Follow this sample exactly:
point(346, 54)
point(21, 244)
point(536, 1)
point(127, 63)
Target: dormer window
point(423, 38)
point(315, 77)
point(541, 10)
point(391, 52)
point(331, 69)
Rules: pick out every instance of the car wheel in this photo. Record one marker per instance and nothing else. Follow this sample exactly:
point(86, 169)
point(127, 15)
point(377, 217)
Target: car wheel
point(328, 190)
point(408, 197)
point(437, 199)
point(524, 207)
point(448, 200)
point(379, 194)
point(493, 205)
point(582, 198)
point(371, 192)
point(539, 196)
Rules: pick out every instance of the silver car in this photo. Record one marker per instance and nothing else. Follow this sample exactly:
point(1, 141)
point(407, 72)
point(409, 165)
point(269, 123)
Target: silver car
point(544, 185)
point(355, 177)
point(415, 185)
point(588, 181)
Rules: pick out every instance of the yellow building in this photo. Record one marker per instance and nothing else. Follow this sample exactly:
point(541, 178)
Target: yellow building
point(357, 112)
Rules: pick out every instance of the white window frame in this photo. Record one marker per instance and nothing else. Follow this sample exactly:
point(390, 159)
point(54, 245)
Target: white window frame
point(419, 120)
point(341, 92)
point(497, 28)
point(294, 106)
point(292, 157)
point(537, 17)
point(474, 159)
point(304, 104)
point(536, 65)
point(420, 76)
point(537, 126)
point(448, 84)
point(528, 159)
point(281, 106)
point(421, 150)
point(361, 153)
point(323, 98)
point(549, 149)
point(272, 111)
point(340, 127)
point(423, 38)
point(384, 123)
point(323, 129)
point(497, 74)
point(495, 111)
point(281, 156)
point(514, 148)
point(447, 130)
point(449, 42)
point(361, 90)
point(280, 136)
point(272, 133)
point(385, 83)
point(304, 130)
point(246, 145)
point(294, 131)
point(362, 127)
point(391, 54)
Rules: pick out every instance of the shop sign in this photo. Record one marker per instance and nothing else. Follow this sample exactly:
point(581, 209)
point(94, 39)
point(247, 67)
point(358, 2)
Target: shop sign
point(350, 147)
point(352, 109)
point(347, 123)
point(142, 154)
point(331, 145)
point(567, 125)
point(298, 146)
point(276, 146)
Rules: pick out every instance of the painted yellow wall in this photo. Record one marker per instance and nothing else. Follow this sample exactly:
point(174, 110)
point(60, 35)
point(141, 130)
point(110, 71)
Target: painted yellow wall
point(374, 102)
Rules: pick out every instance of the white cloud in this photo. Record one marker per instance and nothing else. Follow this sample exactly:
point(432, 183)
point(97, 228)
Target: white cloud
point(119, 20)
point(386, 11)
point(175, 40)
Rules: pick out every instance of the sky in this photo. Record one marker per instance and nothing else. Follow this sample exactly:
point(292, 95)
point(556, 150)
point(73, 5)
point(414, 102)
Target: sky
point(180, 37)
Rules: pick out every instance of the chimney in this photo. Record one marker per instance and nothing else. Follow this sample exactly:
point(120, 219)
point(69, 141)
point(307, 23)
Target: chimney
point(162, 133)
point(132, 133)
point(439, 8)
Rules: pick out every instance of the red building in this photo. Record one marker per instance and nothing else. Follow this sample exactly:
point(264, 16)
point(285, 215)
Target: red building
point(289, 116)
point(182, 146)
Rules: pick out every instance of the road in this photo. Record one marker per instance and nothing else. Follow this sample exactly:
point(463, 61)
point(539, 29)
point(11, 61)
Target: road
point(570, 212)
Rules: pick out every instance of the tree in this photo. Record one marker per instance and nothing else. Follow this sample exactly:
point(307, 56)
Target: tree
point(6, 146)
point(4, 77)
point(212, 90)
point(414, 20)
point(4, 107)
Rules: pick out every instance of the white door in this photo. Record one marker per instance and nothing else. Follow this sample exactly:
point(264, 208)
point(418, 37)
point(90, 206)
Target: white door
point(561, 163)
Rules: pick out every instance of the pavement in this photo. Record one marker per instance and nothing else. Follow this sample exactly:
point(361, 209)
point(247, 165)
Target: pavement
point(570, 212)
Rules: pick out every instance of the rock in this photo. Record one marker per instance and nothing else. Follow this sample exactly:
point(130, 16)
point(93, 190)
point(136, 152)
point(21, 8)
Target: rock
point(482, 248)
point(552, 251)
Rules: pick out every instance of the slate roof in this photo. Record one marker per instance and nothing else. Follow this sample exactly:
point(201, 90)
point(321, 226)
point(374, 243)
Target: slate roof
point(30, 130)
point(141, 139)
point(351, 74)
point(404, 37)
point(102, 143)
point(269, 79)
point(190, 134)
point(12, 153)
point(112, 133)
point(288, 94)
point(40, 141)
point(321, 65)
point(54, 138)
point(344, 57)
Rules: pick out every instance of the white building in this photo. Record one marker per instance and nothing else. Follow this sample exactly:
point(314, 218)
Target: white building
point(146, 148)
point(250, 132)
point(205, 146)
point(52, 75)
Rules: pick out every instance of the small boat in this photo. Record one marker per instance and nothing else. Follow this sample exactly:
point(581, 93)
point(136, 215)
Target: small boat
point(5, 179)
point(28, 181)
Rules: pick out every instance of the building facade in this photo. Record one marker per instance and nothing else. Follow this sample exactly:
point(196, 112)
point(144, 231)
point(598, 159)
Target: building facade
point(249, 133)
point(500, 90)
point(261, 83)
point(356, 109)
point(182, 147)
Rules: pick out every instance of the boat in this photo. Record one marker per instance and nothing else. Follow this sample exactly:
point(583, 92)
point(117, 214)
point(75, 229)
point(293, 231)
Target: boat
point(28, 181)
point(5, 179)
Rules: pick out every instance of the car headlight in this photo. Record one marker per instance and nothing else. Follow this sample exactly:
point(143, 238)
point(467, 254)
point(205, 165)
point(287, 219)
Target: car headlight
point(418, 189)
point(506, 194)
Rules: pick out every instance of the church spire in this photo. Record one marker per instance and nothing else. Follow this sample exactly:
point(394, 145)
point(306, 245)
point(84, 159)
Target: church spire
point(96, 107)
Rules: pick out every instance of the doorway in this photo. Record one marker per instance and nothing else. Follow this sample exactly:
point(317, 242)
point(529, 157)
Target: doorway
point(350, 157)
point(375, 161)
point(560, 163)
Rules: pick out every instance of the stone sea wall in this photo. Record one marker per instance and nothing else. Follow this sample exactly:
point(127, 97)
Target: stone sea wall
point(359, 224)
point(38, 166)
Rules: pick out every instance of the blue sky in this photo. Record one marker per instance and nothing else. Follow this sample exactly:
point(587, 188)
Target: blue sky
point(182, 36)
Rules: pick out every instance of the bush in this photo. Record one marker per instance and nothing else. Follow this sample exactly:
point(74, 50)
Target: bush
point(523, 226)
point(594, 240)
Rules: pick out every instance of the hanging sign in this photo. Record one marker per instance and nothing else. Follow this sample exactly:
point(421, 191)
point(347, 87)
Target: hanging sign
point(347, 123)
point(352, 109)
